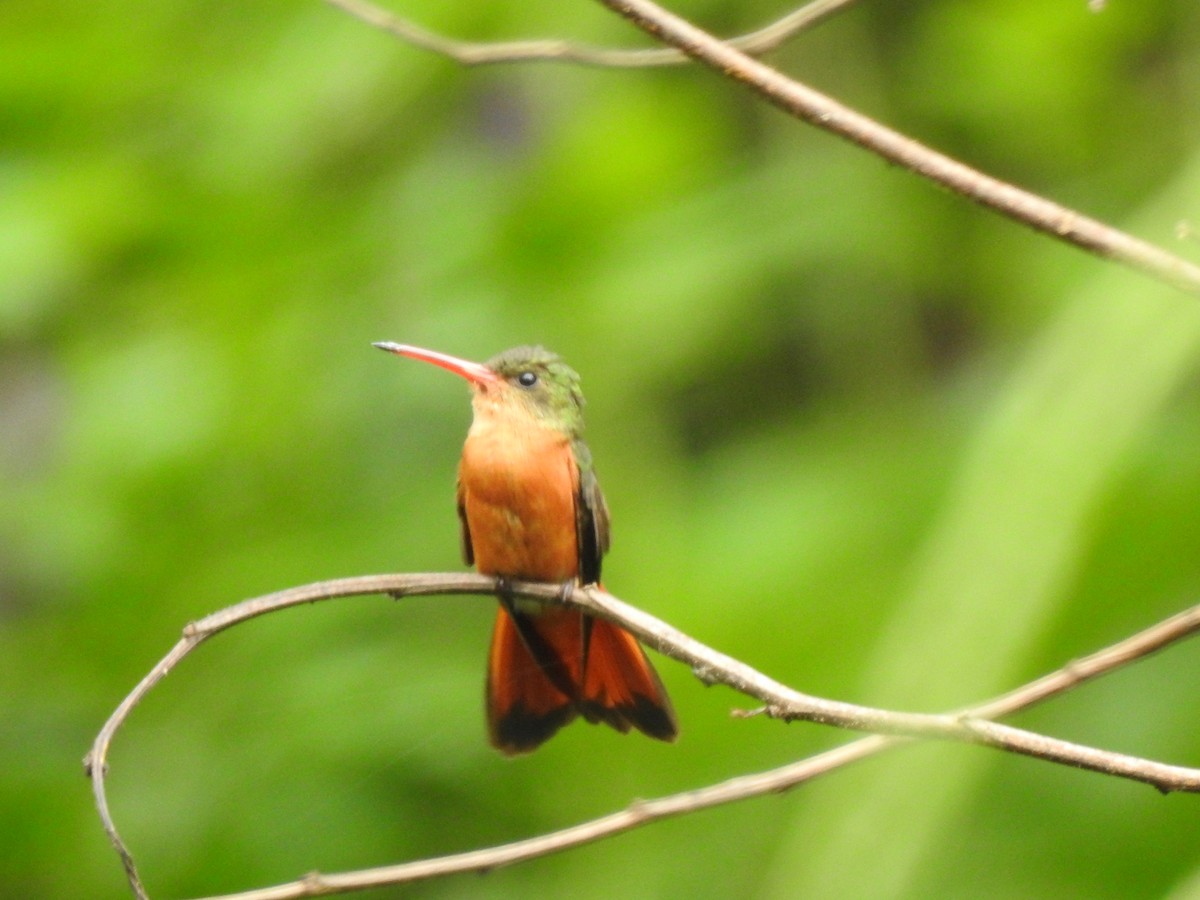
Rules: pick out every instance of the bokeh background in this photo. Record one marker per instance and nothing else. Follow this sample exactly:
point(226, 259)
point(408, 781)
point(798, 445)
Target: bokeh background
point(867, 437)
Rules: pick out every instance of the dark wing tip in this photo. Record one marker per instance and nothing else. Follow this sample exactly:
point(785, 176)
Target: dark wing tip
point(655, 719)
point(521, 731)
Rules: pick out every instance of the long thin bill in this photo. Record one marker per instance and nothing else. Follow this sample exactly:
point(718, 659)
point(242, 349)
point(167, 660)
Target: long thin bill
point(476, 373)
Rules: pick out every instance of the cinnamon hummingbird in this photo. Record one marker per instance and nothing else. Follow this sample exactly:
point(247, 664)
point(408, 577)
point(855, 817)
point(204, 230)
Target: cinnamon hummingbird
point(530, 508)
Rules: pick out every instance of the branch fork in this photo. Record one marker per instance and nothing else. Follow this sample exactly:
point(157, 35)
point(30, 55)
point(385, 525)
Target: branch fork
point(972, 726)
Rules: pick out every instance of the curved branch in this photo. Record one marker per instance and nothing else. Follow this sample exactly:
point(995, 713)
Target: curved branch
point(95, 764)
point(476, 54)
point(969, 725)
point(785, 703)
point(735, 59)
point(643, 812)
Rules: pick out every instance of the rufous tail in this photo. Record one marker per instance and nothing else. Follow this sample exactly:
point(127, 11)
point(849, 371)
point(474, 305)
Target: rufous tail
point(546, 668)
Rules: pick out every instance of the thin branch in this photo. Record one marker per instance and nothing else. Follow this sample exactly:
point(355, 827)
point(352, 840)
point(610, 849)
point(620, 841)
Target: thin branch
point(969, 725)
point(469, 53)
point(805, 103)
point(786, 703)
point(735, 59)
point(735, 789)
point(1139, 646)
point(95, 764)
point(643, 812)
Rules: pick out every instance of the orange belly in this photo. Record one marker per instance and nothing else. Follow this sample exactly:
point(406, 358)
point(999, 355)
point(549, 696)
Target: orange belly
point(518, 489)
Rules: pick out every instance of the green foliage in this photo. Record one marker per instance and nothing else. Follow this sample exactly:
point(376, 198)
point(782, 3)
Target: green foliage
point(869, 438)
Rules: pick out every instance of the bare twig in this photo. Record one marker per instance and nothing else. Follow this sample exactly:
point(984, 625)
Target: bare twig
point(470, 53)
point(805, 103)
point(734, 59)
point(96, 761)
point(741, 788)
point(784, 702)
point(969, 725)
point(640, 813)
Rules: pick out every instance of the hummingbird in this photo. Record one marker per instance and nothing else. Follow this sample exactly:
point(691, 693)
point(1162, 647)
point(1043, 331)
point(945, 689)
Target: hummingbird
point(530, 508)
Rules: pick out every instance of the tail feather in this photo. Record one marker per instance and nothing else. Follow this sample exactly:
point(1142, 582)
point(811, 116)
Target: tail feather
point(529, 699)
point(546, 668)
point(620, 686)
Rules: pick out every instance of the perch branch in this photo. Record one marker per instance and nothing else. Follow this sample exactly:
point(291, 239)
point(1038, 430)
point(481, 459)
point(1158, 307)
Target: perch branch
point(786, 703)
point(969, 725)
point(470, 53)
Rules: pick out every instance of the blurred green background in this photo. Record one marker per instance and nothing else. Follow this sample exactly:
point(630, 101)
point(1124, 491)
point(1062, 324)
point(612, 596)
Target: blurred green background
point(873, 440)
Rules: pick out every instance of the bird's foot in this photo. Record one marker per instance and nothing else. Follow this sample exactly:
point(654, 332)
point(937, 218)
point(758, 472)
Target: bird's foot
point(504, 588)
point(566, 591)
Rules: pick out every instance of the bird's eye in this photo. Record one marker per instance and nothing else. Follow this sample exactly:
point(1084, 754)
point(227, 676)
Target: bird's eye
point(527, 379)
